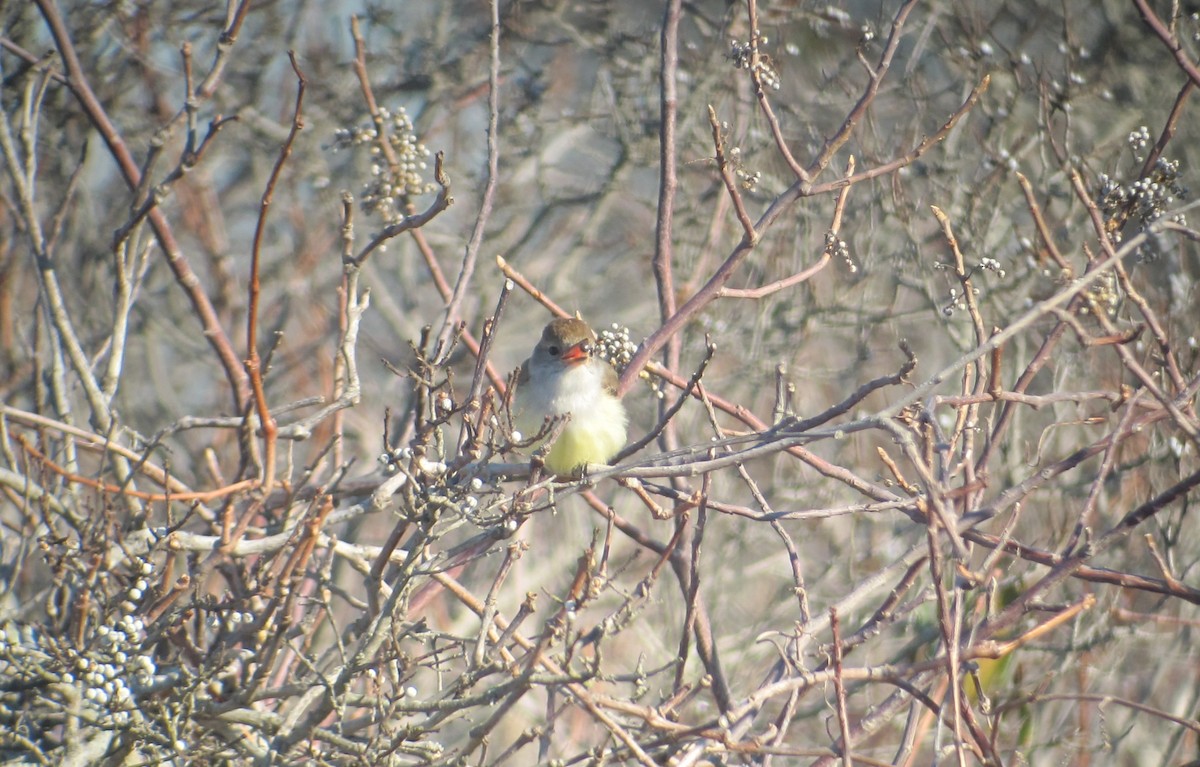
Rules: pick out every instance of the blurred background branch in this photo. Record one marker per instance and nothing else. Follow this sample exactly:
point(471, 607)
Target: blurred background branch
point(918, 490)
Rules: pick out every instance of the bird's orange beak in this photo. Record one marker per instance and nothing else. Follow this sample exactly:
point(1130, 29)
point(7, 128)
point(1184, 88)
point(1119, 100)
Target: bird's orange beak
point(577, 353)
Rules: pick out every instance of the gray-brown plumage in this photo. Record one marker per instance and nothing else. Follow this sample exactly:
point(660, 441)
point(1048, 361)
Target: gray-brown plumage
point(564, 376)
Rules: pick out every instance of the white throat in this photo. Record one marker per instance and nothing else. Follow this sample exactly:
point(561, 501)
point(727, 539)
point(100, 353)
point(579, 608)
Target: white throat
point(596, 429)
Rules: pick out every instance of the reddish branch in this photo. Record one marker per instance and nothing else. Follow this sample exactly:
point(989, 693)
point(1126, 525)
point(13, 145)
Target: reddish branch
point(711, 290)
point(668, 181)
point(186, 278)
point(253, 362)
point(412, 222)
point(470, 256)
point(104, 487)
point(1169, 39)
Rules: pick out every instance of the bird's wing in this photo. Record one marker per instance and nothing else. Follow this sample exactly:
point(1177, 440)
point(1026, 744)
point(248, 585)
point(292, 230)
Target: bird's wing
point(610, 379)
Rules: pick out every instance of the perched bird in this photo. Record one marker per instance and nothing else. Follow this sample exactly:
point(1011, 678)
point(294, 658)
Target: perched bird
point(564, 376)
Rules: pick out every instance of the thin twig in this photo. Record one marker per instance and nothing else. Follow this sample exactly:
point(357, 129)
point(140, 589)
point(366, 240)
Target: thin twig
point(839, 686)
point(483, 214)
point(253, 362)
point(77, 81)
point(668, 182)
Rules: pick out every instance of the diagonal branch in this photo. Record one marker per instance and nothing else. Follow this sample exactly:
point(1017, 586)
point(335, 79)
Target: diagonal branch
point(77, 81)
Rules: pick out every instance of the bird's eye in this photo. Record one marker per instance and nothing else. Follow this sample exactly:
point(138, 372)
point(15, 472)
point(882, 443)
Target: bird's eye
point(554, 351)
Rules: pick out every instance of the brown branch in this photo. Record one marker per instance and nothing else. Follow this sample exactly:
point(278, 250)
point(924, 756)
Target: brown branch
point(761, 94)
point(30, 58)
point(467, 268)
point(253, 362)
point(199, 496)
point(839, 685)
point(691, 389)
point(962, 274)
point(415, 221)
point(1169, 127)
point(710, 291)
point(1039, 221)
point(875, 78)
point(159, 192)
point(77, 81)
point(906, 159)
point(524, 284)
point(668, 181)
point(1103, 700)
point(831, 239)
point(1168, 38)
point(590, 702)
point(749, 236)
point(1183, 420)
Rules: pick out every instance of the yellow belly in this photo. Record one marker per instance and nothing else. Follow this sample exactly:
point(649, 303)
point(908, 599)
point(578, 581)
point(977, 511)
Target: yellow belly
point(586, 440)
